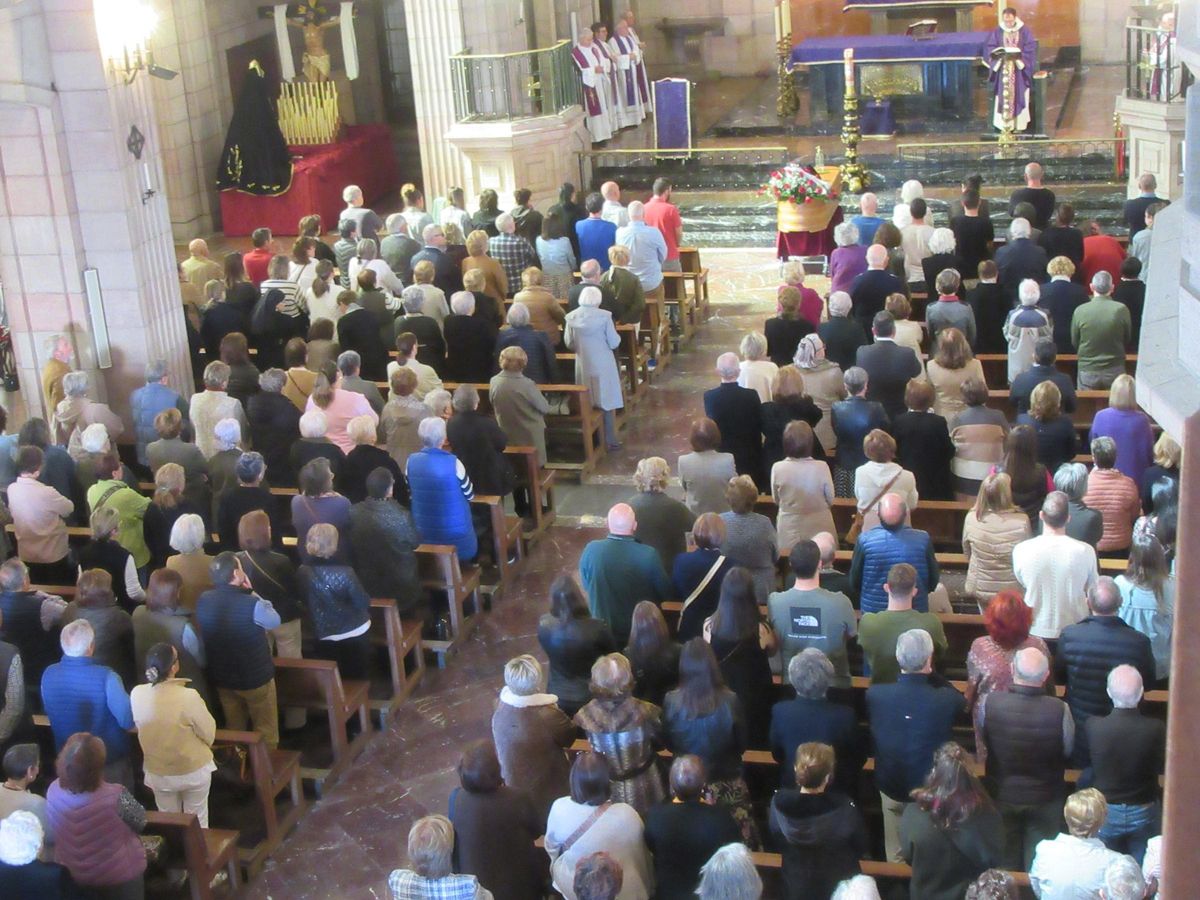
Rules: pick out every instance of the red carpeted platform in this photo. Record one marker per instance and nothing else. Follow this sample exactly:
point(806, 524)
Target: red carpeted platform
point(365, 157)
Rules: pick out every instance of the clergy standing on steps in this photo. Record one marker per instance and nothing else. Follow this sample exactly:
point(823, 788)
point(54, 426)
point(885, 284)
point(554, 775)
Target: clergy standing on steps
point(630, 107)
point(643, 77)
point(591, 60)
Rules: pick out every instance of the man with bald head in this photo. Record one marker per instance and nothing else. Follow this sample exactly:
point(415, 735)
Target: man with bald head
point(1128, 752)
point(684, 832)
point(398, 248)
point(613, 211)
point(590, 274)
point(198, 268)
point(831, 579)
point(1041, 198)
point(868, 221)
point(1027, 738)
point(647, 250)
point(618, 573)
point(891, 542)
point(738, 414)
point(870, 290)
point(1089, 650)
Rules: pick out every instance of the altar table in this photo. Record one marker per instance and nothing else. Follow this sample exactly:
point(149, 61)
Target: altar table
point(365, 156)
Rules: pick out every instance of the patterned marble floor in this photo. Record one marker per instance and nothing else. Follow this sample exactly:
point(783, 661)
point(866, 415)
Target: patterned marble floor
point(356, 834)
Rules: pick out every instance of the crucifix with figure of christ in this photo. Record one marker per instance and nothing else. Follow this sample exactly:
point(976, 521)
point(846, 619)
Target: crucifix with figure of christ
point(312, 20)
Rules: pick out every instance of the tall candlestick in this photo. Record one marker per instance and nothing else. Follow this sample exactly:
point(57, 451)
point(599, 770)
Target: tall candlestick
point(778, 22)
point(848, 59)
point(786, 7)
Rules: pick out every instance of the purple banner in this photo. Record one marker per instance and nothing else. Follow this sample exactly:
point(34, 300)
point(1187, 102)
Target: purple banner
point(673, 114)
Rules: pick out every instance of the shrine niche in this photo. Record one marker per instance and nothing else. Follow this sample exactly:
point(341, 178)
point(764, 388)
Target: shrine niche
point(316, 99)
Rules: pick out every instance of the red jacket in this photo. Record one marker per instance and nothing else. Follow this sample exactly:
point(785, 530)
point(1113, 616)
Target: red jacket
point(1115, 496)
point(1101, 253)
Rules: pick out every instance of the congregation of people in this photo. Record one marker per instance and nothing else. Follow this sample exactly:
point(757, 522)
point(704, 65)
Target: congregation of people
point(675, 634)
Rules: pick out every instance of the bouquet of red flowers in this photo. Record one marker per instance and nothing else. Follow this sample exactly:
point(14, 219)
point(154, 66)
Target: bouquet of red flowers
point(797, 184)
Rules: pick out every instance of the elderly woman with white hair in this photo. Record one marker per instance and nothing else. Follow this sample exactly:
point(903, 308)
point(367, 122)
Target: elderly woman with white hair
point(470, 342)
point(221, 475)
point(76, 412)
point(365, 458)
point(431, 855)
point(1025, 326)
point(190, 561)
point(540, 363)
point(730, 873)
point(208, 407)
point(756, 371)
point(441, 492)
point(314, 443)
point(823, 381)
point(22, 873)
point(662, 521)
point(909, 191)
point(336, 601)
point(367, 257)
point(842, 334)
point(531, 735)
point(848, 260)
point(590, 332)
point(943, 255)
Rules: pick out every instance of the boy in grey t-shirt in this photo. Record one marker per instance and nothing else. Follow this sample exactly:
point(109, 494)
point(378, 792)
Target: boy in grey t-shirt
point(807, 615)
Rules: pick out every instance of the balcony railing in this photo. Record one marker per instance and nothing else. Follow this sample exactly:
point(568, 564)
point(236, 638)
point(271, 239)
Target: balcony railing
point(1153, 70)
point(507, 86)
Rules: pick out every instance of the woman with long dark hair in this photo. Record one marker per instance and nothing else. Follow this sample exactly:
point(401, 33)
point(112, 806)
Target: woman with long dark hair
point(1030, 480)
point(951, 832)
point(703, 718)
point(1148, 596)
point(573, 640)
point(743, 643)
point(652, 654)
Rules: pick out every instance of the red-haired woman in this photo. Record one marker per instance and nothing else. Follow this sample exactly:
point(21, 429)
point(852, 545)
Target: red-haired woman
point(989, 663)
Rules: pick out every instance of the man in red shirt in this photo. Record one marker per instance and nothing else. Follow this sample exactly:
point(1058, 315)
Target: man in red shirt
point(257, 260)
point(1101, 253)
point(664, 215)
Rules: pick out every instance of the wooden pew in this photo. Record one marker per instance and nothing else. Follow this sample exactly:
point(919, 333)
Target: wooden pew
point(1088, 403)
point(205, 851)
point(689, 261)
point(507, 537)
point(316, 684)
point(401, 640)
point(995, 366)
point(538, 482)
point(441, 572)
point(1108, 565)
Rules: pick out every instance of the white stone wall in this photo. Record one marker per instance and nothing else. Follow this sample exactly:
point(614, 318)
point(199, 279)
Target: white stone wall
point(746, 48)
point(72, 199)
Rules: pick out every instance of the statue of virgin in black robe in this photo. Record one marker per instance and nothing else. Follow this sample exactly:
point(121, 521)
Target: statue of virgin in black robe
point(255, 159)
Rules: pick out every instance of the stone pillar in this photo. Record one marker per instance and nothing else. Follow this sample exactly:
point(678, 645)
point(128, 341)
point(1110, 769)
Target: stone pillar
point(435, 32)
point(73, 199)
point(1154, 136)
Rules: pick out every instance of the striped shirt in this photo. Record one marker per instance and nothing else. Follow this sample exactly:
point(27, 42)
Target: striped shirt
point(290, 304)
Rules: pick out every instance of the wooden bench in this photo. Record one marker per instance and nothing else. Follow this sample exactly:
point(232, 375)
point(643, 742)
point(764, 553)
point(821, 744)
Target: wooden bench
point(689, 261)
point(538, 482)
point(316, 684)
point(205, 851)
point(995, 365)
point(442, 573)
point(1087, 404)
point(401, 640)
point(508, 541)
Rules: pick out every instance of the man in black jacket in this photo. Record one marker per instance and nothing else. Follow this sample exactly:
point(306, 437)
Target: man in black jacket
point(738, 414)
point(1088, 651)
point(1135, 209)
point(542, 367)
point(446, 275)
point(1045, 352)
point(1060, 297)
point(684, 833)
point(909, 720)
point(431, 347)
point(1028, 735)
point(249, 494)
point(888, 365)
point(991, 307)
point(1128, 753)
point(274, 424)
point(1020, 258)
point(870, 290)
point(1063, 238)
point(358, 329)
point(397, 249)
point(1042, 198)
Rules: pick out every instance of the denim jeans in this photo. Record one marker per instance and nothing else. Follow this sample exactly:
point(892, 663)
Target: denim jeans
point(1129, 827)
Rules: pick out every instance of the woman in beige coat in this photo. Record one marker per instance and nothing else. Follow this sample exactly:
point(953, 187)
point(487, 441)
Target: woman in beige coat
point(545, 312)
point(803, 488)
point(950, 366)
point(531, 735)
point(823, 383)
point(176, 732)
point(990, 531)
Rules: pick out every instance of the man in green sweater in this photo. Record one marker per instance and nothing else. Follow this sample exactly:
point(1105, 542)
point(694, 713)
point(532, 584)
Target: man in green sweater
point(1100, 330)
point(618, 573)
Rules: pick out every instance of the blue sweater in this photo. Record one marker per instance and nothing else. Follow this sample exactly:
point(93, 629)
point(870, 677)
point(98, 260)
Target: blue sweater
point(79, 694)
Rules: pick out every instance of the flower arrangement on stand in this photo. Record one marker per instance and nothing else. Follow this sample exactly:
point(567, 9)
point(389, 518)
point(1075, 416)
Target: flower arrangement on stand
point(800, 195)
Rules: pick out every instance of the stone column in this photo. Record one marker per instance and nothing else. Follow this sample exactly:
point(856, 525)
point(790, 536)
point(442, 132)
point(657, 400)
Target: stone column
point(74, 199)
point(435, 32)
point(1154, 137)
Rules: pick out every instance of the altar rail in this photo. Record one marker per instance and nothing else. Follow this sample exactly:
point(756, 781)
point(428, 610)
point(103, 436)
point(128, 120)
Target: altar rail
point(653, 160)
point(1094, 156)
point(505, 86)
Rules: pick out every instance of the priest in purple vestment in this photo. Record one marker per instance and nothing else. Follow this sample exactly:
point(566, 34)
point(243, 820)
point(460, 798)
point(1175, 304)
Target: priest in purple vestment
point(1011, 54)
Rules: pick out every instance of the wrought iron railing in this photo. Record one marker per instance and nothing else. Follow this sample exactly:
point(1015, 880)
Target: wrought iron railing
point(506, 86)
point(1153, 70)
point(1088, 158)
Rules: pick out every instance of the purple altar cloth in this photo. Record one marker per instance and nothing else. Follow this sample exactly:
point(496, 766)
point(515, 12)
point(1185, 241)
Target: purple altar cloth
point(869, 48)
point(900, 4)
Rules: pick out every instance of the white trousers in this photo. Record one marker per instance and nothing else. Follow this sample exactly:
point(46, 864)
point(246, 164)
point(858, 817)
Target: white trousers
point(183, 793)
